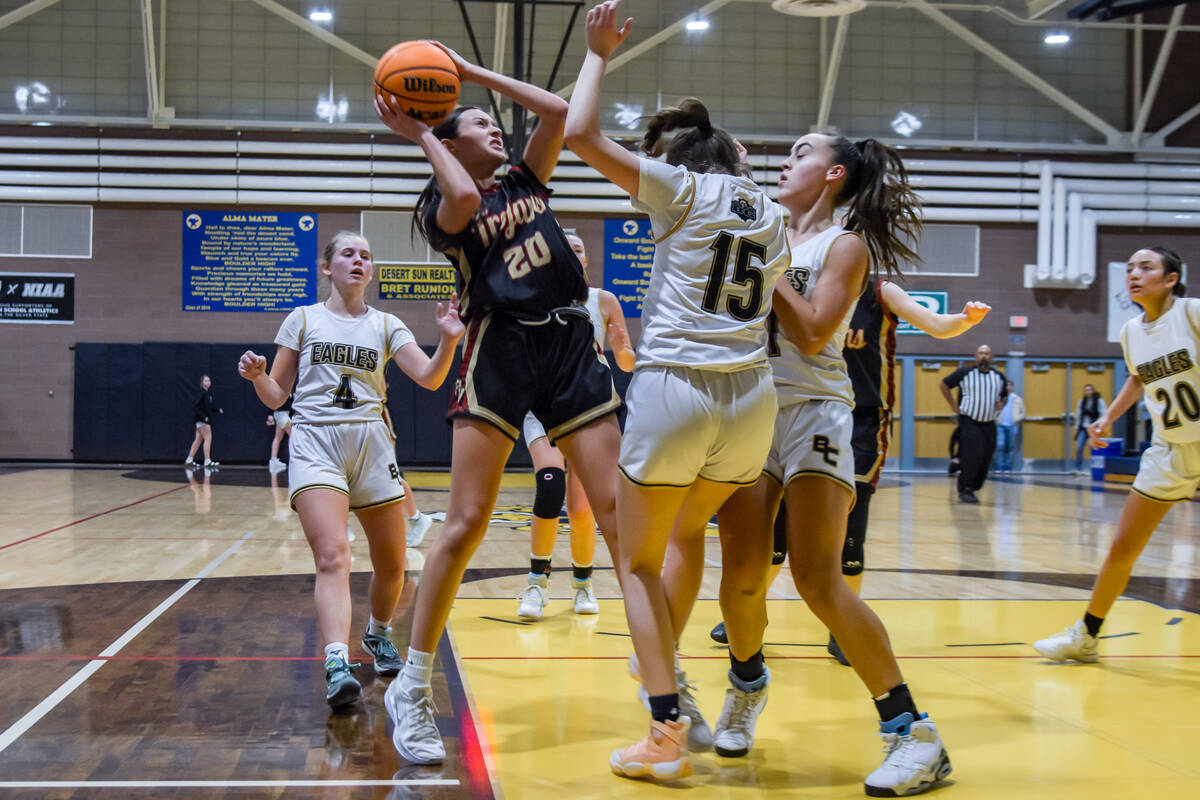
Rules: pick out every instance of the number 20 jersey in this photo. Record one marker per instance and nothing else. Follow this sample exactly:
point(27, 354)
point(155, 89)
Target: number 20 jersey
point(720, 246)
point(339, 377)
point(1163, 354)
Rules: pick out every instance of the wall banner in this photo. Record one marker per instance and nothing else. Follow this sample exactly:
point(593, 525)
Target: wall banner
point(937, 302)
point(249, 260)
point(416, 281)
point(628, 255)
point(42, 298)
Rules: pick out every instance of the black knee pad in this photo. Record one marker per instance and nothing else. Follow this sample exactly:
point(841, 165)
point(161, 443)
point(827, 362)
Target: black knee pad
point(779, 549)
point(853, 554)
point(551, 492)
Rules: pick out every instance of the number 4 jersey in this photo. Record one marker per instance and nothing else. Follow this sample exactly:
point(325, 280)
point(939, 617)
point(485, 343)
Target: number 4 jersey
point(1163, 354)
point(340, 374)
point(720, 246)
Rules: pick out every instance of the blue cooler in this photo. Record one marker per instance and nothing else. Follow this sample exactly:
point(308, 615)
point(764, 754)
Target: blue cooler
point(1100, 455)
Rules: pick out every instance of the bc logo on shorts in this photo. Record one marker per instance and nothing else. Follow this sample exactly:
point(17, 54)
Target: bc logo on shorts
point(821, 445)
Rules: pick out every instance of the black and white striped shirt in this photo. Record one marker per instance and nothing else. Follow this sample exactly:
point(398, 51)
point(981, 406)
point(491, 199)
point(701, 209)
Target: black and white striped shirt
point(979, 391)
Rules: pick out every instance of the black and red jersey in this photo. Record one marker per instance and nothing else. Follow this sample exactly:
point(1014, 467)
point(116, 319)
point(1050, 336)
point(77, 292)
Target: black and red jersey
point(870, 351)
point(514, 255)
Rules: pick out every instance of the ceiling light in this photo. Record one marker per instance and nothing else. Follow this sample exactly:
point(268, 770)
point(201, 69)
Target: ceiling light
point(906, 124)
point(697, 25)
point(320, 16)
point(1056, 38)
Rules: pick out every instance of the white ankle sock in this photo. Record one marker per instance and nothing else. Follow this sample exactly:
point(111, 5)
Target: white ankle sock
point(337, 649)
point(415, 517)
point(418, 669)
point(377, 628)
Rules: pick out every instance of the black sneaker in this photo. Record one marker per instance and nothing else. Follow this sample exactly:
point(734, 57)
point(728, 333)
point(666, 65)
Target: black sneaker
point(388, 660)
point(718, 635)
point(834, 650)
point(967, 497)
point(341, 689)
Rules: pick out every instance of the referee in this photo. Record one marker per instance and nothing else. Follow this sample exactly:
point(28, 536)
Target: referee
point(981, 395)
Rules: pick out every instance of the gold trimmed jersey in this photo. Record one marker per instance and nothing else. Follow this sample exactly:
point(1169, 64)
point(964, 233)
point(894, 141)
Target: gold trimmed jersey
point(596, 316)
point(721, 244)
point(823, 376)
point(1163, 354)
point(870, 351)
point(514, 255)
point(340, 373)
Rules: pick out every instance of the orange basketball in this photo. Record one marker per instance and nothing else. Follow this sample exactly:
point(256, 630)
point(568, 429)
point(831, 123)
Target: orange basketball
point(421, 77)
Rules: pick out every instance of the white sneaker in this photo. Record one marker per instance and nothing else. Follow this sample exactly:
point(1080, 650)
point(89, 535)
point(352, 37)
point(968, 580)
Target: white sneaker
point(585, 597)
point(209, 464)
point(699, 735)
point(1073, 644)
point(275, 465)
point(417, 529)
point(533, 599)
point(415, 732)
point(915, 759)
point(734, 735)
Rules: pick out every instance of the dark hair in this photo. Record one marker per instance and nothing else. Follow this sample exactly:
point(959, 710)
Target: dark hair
point(883, 206)
point(698, 146)
point(425, 211)
point(1171, 263)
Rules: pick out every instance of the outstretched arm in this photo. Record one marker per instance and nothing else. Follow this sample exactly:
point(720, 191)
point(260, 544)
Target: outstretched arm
point(429, 372)
point(616, 332)
point(939, 326)
point(583, 134)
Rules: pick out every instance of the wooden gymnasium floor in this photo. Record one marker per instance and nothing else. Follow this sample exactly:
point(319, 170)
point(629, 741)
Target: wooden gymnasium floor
point(157, 640)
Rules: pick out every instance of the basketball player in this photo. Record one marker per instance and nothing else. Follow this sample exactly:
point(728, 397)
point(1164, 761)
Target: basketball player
point(281, 419)
point(203, 409)
point(701, 403)
point(554, 485)
point(811, 461)
point(1162, 349)
point(528, 347)
point(342, 450)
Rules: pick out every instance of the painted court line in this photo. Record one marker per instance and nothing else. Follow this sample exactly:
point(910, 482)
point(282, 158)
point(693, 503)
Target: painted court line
point(217, 784)
point(18, 728)
point(85, 519)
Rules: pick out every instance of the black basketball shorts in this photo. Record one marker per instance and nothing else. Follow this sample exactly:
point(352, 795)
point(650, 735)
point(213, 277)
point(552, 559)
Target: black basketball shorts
point(872, 427)
point(554, 368)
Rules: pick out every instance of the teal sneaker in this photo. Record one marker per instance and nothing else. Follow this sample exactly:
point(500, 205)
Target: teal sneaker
point(341, 689)
point(388, 660)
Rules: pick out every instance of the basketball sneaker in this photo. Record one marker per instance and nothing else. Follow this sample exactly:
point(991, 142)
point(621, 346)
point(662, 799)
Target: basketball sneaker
point(734, 735)
point(275, 465)
point(417, 528)
point(700, 736)
point(585, 597)
point(662, 755)
point(341, 689)
point(915, 760)
point(533, 599)
point(1073, 644)
point(190, 463)
point(388, 660)
point(210, 464)
point(415, 733)
point(718, 633)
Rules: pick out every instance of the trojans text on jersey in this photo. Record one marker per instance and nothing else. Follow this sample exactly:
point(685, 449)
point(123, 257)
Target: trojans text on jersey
point(345, 355)
point(518, 212)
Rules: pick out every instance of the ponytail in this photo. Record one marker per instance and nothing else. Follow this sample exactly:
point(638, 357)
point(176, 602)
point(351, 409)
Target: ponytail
point(425, 211)
point(698, 146)
point(883, 207)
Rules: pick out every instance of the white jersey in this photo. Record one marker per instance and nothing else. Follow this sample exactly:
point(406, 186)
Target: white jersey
point(340, 374)
point(1164, 355)
point(720, 246)
point(822, 376)
point(593, 308)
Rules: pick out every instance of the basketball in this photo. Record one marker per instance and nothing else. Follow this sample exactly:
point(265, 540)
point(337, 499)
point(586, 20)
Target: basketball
point(421, 77)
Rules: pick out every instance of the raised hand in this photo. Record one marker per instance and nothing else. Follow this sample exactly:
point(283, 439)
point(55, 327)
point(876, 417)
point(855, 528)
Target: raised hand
point(251, 365)
point(465, 68)
point(448, 322)
point(976, 311)
point(399, 122)
point(603, 37)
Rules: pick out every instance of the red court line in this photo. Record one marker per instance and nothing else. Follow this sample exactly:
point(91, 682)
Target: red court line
point(85, 519)
point(71, 657)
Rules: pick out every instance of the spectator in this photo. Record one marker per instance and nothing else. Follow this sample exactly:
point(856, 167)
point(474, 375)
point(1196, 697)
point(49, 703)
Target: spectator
point(1090, 407)
point(1008, 431)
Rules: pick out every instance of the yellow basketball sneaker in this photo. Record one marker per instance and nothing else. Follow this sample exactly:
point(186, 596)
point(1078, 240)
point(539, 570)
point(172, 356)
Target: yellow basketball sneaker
point(662, 755)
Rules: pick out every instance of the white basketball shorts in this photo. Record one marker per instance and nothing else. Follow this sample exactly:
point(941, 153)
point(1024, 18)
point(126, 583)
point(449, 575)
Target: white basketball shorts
point(812, 437)
point(355, 458)
point(1169, 471)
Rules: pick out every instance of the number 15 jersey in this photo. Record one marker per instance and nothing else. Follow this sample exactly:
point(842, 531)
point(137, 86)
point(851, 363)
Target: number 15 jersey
point(720, 245)
point(1164, 354)
point(340, 373)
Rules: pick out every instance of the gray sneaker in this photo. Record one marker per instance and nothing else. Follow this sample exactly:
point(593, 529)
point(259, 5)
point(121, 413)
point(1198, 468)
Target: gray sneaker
point(388, 660)
point(415, 733)
point(916, 760)
point(341, 689)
